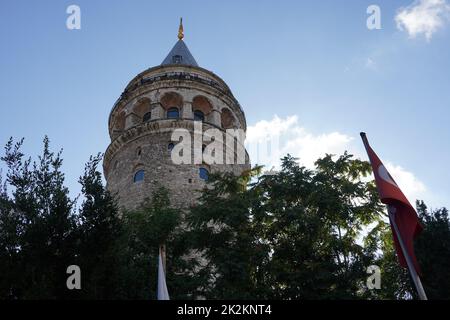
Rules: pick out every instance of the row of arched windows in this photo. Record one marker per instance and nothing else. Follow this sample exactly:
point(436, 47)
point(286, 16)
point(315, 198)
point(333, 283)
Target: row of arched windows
point(203, 173)
point(174, 113)
point(171, 102)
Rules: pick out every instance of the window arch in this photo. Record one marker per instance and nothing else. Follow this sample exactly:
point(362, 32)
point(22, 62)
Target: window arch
point(139, 176)
point(228, 120)
point(203, 173)
point(147, 117)
point(203, 106)
point(173, 113)
point(199, 115)
point(142, 110)
point(171, 99)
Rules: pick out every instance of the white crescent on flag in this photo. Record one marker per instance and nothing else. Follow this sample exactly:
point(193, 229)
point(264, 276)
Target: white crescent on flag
point(384, 174)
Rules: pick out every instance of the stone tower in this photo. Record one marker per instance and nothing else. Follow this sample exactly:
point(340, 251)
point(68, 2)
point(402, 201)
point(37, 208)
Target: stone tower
point(176, 94)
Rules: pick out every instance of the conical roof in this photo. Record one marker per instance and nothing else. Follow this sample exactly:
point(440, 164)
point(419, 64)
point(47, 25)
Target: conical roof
point(180, 54)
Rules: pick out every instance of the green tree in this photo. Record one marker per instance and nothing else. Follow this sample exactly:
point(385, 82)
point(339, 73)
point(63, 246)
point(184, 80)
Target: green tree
point(395, 281)
point(98, 231)
point(433, 251)
point(154, 223)
point(41, 232)
point(9, 242)
point(295, 234)
point(223, 230)
point(37, 225)
point(291, 235)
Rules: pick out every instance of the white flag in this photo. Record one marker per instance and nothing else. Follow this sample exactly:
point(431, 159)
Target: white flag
point(163, 294)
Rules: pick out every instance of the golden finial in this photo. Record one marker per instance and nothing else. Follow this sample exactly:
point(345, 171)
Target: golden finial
point(180, 30)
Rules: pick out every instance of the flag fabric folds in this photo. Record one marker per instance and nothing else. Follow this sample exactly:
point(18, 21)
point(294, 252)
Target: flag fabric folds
point(404, 213)
point(162, 293)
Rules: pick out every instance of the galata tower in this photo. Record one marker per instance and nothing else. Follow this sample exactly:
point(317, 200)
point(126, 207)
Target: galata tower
point(177, 94)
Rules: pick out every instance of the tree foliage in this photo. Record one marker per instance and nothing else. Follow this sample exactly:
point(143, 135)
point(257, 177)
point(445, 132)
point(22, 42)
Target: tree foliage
point(433, 248)
point(153, 224)
point(294, 234)
point(42, 232)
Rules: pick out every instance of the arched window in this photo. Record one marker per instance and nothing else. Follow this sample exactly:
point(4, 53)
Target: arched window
point(173, 113)
point(141, 109)
point(199, 115)
point(202, 108)
point(139, 176)
point(203, 173)
point(170, 146)
point(147, 117)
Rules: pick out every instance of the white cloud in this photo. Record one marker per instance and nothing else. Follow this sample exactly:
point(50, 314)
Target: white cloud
point(286, 135)
point(411, 186)
point(423, 17)
point(268, 141)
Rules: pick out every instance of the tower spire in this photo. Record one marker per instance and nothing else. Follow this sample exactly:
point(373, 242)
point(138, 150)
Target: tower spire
point(180, 53)
point(180, 30)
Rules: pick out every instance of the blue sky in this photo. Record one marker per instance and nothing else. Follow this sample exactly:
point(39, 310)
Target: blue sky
point(314, 64)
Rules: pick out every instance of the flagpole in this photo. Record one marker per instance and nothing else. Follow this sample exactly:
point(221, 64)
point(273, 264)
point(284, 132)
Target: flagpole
point(412, 270)
point(162, 250)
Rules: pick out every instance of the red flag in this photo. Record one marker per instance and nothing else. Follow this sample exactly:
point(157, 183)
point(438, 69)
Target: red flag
point(405, 215)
